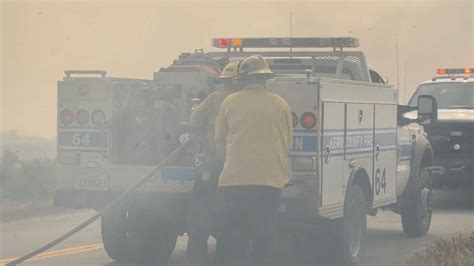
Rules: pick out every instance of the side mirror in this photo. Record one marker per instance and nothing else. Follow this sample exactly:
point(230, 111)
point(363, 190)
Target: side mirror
point(427, 109)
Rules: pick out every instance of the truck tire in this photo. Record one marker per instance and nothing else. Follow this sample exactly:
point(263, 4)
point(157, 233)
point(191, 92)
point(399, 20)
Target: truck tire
point(416, 215)
point(114, 235)
point(131, 237)
point(351, 230)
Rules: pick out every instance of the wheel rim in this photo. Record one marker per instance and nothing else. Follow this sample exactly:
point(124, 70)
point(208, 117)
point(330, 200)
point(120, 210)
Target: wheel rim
point(426, 200)
point(355, 231)
point(426, 206)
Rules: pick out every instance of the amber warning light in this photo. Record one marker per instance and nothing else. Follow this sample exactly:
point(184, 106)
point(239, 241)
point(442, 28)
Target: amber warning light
point(452, 71)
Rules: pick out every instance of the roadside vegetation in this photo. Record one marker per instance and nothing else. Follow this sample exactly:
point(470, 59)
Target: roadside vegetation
point(26, 186)
point(456, 251)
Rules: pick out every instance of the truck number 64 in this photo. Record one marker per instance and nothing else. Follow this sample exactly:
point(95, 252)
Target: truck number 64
point(380, 181)
point(78, 139)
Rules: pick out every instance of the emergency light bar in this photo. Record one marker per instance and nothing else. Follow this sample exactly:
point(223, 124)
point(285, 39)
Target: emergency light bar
point(338, 42)
point(452, 71)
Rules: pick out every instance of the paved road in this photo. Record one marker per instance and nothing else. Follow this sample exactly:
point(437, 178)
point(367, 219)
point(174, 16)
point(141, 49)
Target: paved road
point(454, 214)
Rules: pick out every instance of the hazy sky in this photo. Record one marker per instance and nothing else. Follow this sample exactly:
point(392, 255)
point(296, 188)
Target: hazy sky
point(132, 39)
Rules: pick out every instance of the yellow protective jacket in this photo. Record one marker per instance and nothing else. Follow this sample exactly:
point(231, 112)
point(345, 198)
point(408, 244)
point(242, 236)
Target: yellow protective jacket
point(202, 123)
point(256, 127)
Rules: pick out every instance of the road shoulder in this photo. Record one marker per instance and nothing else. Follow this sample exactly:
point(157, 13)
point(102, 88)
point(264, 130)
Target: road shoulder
point(459, 250)
point(11, 211)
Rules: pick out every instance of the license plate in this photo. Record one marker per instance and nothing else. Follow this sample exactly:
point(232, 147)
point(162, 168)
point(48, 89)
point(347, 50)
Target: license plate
point(93, 183)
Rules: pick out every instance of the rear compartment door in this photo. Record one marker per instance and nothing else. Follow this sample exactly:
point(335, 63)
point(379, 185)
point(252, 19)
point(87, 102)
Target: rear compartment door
point(385, 157)
point(332, 159)
point(359, 139)
point(302, 97)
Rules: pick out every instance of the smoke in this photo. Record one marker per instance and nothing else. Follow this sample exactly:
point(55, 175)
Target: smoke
point(42, 39)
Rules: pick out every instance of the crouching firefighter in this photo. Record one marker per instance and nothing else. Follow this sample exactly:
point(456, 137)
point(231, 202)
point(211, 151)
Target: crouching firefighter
point(200, 220)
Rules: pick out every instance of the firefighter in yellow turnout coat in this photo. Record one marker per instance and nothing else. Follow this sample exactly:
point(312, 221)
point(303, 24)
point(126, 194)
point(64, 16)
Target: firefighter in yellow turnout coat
point(202, 201)
point(256, 127)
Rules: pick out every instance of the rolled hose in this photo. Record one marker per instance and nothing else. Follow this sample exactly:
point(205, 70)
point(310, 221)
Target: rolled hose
point(122, 197)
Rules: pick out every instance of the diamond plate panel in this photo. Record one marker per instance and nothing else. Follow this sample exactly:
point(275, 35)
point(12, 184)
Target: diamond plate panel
point(301, 190)
point(170, 186)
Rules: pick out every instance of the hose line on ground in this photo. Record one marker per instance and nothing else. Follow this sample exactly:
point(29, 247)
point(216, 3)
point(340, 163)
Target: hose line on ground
point(116, 201)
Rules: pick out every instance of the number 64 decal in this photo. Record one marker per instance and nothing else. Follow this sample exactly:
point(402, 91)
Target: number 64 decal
point(78, 139)
point(380, 181)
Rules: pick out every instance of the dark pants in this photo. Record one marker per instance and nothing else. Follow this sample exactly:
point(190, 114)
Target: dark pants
point(246, 224)
point(202, 216)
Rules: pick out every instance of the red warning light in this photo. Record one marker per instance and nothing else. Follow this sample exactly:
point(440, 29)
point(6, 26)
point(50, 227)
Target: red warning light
point(223, 42)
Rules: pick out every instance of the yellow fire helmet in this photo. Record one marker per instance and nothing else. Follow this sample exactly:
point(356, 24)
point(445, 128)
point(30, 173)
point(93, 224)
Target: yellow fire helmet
point(231, 70)
point(255, 65)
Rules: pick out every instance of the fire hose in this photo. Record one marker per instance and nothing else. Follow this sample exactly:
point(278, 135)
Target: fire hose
point(122, 197)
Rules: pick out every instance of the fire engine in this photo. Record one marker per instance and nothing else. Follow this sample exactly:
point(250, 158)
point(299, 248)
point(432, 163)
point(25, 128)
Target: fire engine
point(354, 149)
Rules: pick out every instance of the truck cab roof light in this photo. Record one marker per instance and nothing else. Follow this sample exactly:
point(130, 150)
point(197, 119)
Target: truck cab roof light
point(338, 42)
point(453, 71)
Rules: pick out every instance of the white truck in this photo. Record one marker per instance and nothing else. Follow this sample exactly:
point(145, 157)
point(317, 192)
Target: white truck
point(354, 151)
point(452, 136)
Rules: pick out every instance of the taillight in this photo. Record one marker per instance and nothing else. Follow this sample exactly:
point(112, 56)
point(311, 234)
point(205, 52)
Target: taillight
point(82, 117)
point(294, 119)
point(98, 117)
point(66, 116)
point(308, 120)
